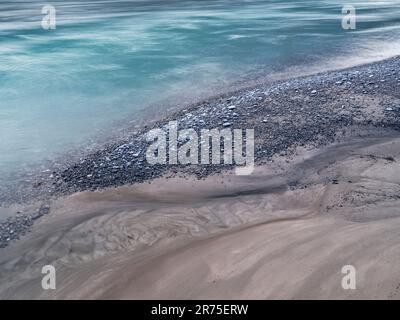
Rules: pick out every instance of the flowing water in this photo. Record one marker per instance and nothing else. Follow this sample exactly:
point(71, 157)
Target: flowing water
point(110, 61)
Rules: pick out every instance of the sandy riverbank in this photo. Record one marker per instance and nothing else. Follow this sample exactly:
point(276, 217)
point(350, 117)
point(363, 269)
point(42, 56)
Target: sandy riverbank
point(324, 194)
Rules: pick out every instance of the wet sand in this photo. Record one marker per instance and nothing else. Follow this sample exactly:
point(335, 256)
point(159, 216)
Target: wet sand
point(227, 237)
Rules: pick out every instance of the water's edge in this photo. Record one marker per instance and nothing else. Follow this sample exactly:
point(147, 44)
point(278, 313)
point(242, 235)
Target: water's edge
point(332, 105)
